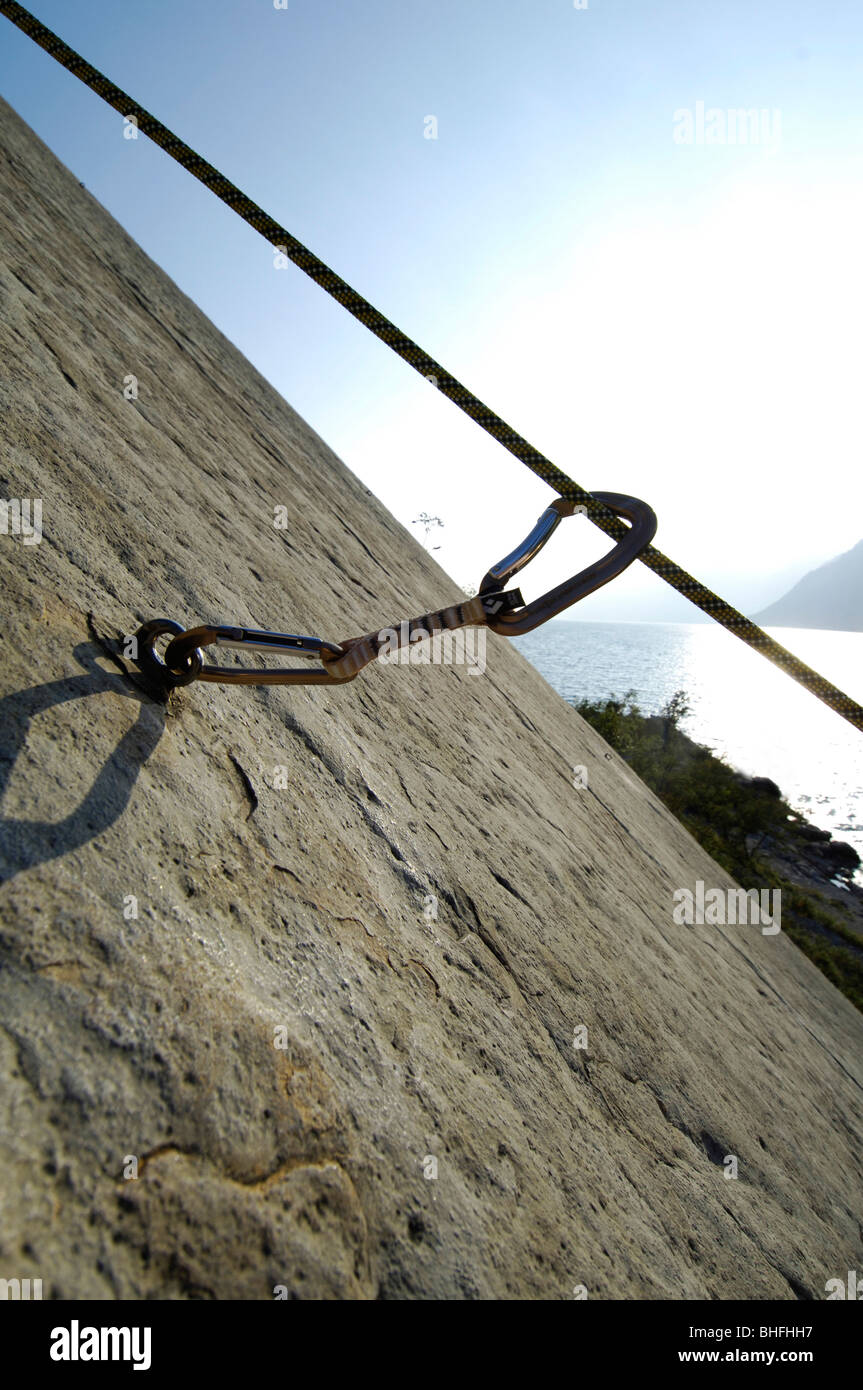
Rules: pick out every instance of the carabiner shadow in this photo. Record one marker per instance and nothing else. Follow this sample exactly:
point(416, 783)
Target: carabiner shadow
point(26, 843)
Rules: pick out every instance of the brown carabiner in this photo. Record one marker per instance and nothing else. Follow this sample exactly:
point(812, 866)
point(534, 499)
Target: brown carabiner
point(184, 660)
point(641, 533)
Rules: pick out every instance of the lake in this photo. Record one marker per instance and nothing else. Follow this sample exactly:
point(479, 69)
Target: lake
point(743, 706)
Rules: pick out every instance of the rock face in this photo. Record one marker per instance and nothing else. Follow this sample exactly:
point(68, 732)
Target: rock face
point(830, 596)
point(370, 919)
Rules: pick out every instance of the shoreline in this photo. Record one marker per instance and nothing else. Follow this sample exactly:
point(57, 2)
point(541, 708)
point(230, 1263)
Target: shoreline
point(749, 828)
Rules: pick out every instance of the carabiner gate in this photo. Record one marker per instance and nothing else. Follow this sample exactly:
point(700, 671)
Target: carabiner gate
point(641, 533)
point(184, 658)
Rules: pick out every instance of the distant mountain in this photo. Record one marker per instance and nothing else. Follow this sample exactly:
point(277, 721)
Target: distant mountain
point(831, 596)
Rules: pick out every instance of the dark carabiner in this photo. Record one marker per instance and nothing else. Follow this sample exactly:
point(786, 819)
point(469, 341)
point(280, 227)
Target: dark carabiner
point(641, 533)
point(184, 659)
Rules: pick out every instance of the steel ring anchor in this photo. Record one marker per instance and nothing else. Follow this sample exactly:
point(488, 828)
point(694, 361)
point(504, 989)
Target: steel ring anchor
point(149, 661)
point(628, 548)
point(186, 647)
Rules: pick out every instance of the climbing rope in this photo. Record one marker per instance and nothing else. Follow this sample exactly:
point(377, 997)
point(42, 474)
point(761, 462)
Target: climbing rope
point(598, 511)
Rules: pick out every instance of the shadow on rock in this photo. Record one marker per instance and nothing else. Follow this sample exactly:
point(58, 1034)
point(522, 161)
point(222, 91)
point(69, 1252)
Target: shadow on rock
point(25, 843)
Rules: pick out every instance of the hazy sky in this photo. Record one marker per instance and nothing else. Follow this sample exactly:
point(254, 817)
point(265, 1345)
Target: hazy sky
point(678, 320)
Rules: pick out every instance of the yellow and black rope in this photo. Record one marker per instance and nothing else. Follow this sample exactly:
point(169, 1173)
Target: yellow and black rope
point(277, 235)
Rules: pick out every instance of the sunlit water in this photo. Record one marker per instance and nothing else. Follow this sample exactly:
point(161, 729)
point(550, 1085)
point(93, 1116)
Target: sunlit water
point(743, 707)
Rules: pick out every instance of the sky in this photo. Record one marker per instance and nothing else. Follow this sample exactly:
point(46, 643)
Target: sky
point(551, 200)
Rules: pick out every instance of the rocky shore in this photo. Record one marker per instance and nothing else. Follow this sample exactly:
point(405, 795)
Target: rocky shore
point(747, 824)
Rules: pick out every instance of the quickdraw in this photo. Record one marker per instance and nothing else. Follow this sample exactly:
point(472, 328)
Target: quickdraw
point(277, 235)
point(502, 610)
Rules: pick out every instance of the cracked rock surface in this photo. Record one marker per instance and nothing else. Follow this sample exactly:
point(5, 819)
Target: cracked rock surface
point(276, 950)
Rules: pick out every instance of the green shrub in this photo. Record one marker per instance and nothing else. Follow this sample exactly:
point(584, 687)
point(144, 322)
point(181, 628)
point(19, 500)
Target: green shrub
point(732, 819)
